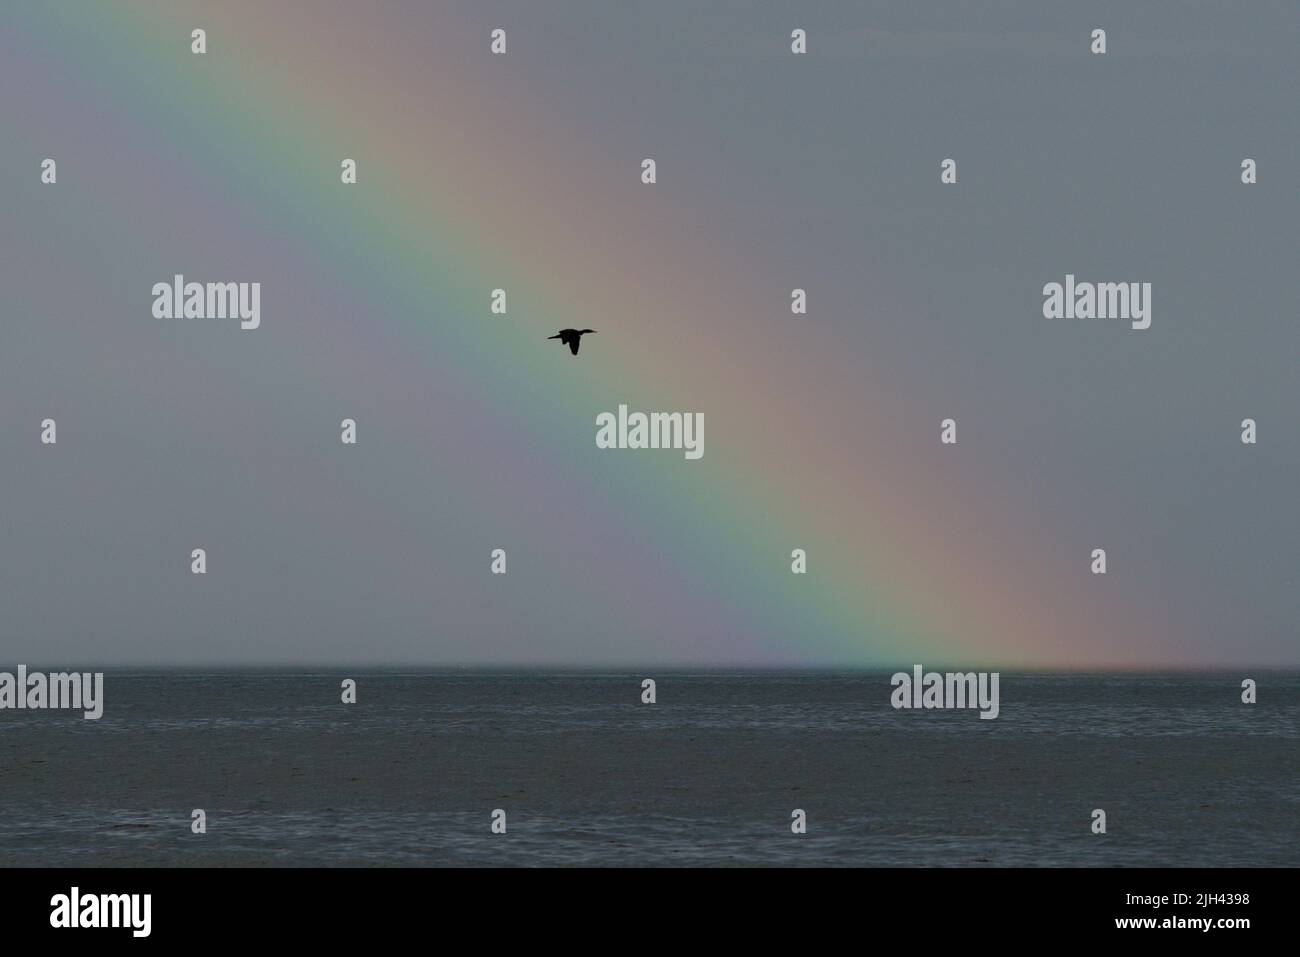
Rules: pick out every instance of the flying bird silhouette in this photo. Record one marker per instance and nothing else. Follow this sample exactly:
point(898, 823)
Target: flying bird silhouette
point(570, 337)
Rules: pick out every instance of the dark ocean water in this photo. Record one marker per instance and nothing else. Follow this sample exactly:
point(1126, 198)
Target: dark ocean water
point(587, 775)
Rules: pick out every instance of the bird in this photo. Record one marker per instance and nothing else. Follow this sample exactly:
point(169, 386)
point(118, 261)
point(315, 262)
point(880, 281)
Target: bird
point(570, 337)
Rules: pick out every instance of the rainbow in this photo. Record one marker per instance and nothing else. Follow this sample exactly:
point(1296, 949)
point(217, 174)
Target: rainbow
point(470, 180)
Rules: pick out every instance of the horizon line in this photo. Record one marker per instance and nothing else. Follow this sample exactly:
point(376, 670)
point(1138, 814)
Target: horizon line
point(300, 667)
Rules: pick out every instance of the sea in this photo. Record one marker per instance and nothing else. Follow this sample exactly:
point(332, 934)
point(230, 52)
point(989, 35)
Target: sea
point(714, 773)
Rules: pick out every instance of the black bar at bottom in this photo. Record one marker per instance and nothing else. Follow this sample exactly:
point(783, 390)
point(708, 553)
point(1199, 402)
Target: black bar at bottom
point(335, 907)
